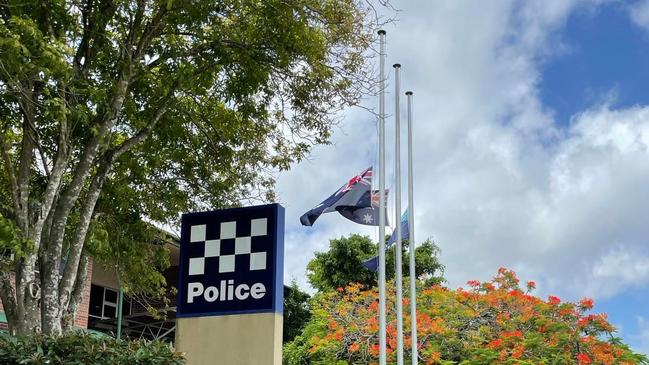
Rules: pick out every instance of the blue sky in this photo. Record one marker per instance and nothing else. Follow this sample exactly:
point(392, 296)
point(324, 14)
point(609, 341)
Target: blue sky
point(606, 61)
point(531, 148)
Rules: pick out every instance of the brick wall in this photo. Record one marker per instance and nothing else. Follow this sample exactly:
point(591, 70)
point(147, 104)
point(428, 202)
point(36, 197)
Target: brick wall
point(81, 317)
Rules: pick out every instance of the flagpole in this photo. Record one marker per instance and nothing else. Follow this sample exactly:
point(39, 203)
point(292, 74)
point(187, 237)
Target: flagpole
point(397, 186)
point(382, 333)
point(411, 239)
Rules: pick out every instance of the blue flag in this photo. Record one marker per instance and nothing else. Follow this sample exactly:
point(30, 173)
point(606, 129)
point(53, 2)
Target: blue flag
point(373, 263)
point(405, 229)
point(349, 197)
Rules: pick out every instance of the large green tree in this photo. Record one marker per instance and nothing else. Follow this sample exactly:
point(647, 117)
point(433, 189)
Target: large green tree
point(342, 264)
point(493, 322)
point(297, 311)
point(116, 110)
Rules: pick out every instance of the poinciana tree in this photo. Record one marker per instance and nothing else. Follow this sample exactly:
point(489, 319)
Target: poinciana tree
point(496, 322)
point(115, 110)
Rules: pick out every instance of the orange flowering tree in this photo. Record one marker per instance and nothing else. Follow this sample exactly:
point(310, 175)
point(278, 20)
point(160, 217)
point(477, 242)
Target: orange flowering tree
point(495, 322)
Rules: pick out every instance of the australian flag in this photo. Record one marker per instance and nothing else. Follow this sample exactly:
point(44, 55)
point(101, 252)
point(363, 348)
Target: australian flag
point(370, 214)
point(353, 196)
point(373, 263)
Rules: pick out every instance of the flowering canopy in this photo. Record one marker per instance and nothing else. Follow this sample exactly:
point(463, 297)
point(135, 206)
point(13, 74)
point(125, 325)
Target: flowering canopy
point(495, 322)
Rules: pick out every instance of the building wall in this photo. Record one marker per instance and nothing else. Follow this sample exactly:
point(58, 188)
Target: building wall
point(81, 317)
point(104, 277)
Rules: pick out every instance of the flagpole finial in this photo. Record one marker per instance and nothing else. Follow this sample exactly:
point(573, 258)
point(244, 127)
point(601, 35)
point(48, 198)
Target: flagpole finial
point(396, 65)
point(381, 32)
point(408, 92)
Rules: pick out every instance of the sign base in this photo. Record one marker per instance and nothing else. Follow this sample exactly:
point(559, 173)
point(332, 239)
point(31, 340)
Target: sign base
point(239, 339)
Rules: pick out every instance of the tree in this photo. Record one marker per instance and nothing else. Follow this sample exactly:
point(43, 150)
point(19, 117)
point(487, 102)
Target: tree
point(297, 311)
point(114, 111)
point(495, 322)
point(343, 263)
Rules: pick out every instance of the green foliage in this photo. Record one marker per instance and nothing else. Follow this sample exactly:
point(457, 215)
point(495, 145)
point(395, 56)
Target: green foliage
point(247, 86)
point(297, 311)
point(342, 265)
point(163, 107)
point(13, 246)
point(494, 322)
point(137, 253)
point(77, 348)
point(427, 265)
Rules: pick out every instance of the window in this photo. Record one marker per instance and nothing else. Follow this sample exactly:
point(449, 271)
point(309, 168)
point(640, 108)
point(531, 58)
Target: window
point(103, 303)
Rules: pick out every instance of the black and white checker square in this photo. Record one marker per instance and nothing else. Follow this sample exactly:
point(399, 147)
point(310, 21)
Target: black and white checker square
point(213, 247)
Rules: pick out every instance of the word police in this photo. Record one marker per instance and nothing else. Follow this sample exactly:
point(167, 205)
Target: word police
point(226, 291)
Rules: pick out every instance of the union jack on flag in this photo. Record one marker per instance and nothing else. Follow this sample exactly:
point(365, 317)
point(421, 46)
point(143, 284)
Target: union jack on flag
point(352, 195)
point(364, 178)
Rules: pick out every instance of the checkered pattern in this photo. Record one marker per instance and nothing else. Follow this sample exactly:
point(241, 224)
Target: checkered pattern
point(242, 246)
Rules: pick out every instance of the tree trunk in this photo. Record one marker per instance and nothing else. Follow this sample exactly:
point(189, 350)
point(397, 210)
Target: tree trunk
point(76, 297)
point(46, 300)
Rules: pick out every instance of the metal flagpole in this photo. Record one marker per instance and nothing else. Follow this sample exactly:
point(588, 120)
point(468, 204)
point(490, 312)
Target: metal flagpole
point(411, 239)
point(397, 187)
point(382, 334)
point(120, 304)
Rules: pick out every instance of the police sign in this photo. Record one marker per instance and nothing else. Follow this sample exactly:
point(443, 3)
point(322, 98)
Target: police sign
point(231, 261)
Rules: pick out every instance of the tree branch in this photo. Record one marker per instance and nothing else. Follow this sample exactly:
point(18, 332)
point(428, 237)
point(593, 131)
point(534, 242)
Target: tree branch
point(69, 277)
point(145, 132)
point(51, 254)
point(84, 44)
point(9, 167)
point(104, 122)
point(25, 164)
point(77, 293)
point(94, 29)
point(54, 181)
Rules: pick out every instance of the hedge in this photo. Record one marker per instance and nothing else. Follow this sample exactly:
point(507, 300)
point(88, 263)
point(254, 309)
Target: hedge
point(79, 348)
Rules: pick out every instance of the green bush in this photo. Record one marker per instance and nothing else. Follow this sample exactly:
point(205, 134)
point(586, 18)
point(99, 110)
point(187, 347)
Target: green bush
point(79, 348)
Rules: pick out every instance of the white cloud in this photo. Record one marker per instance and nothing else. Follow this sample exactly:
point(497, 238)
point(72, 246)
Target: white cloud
point(639, 13)
point(643, 337)
point(621, 266)
point(497, 182)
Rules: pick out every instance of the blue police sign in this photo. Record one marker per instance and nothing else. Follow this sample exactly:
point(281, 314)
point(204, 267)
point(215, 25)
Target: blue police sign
point(231, 261)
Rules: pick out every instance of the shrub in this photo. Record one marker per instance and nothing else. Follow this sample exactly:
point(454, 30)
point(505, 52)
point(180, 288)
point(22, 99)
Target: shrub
point(497, 322)
point(78, 348)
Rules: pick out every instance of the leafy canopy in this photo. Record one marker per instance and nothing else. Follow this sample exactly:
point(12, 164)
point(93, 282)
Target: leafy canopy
point(297, 311)
point(495, 322)
point(342, 264)
point(114, 111)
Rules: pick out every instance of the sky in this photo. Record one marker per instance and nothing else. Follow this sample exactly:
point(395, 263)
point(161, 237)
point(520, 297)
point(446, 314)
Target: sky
point(531, 148)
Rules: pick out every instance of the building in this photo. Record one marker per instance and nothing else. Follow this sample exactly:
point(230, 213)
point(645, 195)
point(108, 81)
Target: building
point(98, 309)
